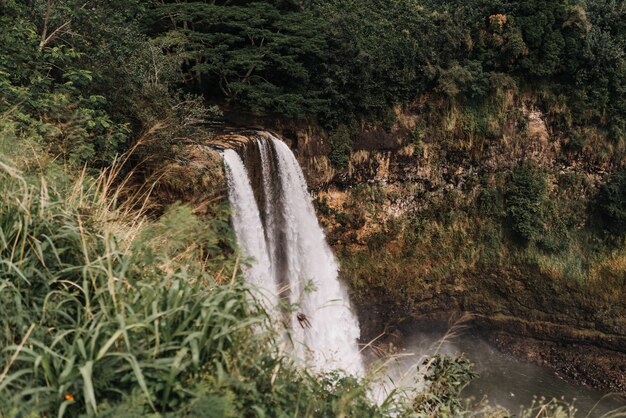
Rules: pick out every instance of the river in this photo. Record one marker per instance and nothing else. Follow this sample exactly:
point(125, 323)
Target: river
point(503, 379)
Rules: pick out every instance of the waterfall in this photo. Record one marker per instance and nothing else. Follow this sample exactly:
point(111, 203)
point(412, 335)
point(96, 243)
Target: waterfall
point(295, 256)
point(249, 230)
point(271, 232)
point(312, 273)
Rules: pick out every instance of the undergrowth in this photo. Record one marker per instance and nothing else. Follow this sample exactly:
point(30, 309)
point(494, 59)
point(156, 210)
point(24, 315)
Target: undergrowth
point(443, 237)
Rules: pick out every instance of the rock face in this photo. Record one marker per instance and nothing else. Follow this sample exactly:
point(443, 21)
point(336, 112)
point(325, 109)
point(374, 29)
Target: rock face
point(398, 157)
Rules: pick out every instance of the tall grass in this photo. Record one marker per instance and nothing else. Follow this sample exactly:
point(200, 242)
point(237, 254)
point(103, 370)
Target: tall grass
point(103, 312)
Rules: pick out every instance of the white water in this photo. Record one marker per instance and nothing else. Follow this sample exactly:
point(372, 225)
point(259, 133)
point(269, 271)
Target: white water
point(270, 201)
point(291, 248)
point(331, 341)
point(249, 229)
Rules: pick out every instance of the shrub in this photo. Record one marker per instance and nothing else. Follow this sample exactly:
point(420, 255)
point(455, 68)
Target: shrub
point(611, 204)
point(341, 145)
point(491, 239)
point(490, 202)
point(447, 377)
point(525, 198)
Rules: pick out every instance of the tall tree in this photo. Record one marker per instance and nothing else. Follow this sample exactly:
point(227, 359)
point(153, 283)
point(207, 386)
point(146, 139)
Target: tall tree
point(257, 53)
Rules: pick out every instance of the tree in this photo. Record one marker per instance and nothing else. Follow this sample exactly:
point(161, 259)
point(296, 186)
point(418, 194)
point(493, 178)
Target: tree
point(256, 53)
point(341, 145)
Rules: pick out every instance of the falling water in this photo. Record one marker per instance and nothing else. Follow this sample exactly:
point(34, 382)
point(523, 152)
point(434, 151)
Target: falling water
point(271, 232)
point(296, 255)
point(249, 229)
point(312, 274)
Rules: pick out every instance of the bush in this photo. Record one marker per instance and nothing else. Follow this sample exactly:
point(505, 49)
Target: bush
point(447, 377)
point(490, 202)
point(611, 205)
point(341, 145)
point(525, 199)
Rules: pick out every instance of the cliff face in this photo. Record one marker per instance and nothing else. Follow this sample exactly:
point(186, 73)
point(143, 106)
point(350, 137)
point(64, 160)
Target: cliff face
point(419, 222)
point(403, 155)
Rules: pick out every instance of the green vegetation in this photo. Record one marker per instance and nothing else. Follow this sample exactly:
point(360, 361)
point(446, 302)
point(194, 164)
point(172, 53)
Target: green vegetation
point(83, 79)
point(260, 54)
point(50, 88)
point(338, 60)
point(341, 145)
point(611, 204)
point(110, 306)
point(447, 379)
point(525, 202)
point(89, 77)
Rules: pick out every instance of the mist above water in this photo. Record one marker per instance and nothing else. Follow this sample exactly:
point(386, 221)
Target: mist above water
point(503, 379)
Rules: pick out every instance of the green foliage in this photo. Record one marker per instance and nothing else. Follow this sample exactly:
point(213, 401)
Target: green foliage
point(341, 147)
point(256, 53)
point(490, 202)
point(86, 73)
point(557, 238)
point(83, 80)
point(611, 204)
point(48, 83)
point(525, 199)
point(446, 377)
point(349, 60)
point(88, 77)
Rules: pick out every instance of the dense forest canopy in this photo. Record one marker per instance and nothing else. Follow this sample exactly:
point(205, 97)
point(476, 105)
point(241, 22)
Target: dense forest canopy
point(334, 62)
point(364, 56)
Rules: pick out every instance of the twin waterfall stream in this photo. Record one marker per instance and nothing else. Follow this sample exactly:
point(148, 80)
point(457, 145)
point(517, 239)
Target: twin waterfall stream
point(276, 226)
